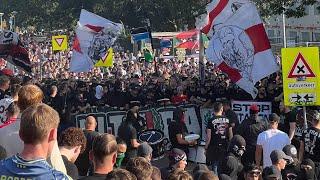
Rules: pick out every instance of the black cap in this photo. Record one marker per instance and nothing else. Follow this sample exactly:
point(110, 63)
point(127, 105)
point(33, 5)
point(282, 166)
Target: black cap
point(271, 172)
point(238, 140)
point(176, 155)
point(144, 149)
point(277, 155)
point(290, 150)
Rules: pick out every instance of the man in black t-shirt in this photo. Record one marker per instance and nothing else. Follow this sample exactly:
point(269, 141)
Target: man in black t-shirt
point(219, 132)
point(231, 115)
point(128, 133)
point(103, 155)
point(310, 143)
point(289, 120)
point(177, 130)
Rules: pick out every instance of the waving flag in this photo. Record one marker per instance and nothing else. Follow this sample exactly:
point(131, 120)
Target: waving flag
point(12, 50)
point(107, 60)
point(239, 45)
point(95, 35)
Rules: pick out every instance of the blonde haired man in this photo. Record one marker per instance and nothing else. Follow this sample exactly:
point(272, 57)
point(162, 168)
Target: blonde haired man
point(38, 131)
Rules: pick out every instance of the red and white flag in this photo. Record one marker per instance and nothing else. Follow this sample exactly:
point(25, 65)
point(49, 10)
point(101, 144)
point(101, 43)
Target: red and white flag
point(239, 45)
point(94, 36)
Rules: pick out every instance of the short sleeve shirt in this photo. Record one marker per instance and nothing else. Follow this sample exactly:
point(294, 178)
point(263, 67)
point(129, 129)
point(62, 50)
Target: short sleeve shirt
point(219, 126)
point(16, 167)
point(311, 139)
point(272, 139)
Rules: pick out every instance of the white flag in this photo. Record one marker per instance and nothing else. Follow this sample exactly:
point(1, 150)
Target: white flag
point(94, 36)
point(239, 45)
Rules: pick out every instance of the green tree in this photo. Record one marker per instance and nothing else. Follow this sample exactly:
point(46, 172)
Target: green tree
point(164, 15)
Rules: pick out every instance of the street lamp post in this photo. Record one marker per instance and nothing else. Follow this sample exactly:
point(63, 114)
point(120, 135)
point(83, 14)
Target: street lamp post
point(284, 26)
point(1, 14)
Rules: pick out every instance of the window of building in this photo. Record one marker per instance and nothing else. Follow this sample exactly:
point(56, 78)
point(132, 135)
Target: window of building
point(271, 33)
point(316, 9)
point(293, 35)
point(305, 36)
point(306, 10)
point(317, 37)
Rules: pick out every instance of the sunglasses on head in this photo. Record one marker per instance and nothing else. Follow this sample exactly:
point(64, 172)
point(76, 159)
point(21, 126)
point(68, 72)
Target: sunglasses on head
point(255, 173)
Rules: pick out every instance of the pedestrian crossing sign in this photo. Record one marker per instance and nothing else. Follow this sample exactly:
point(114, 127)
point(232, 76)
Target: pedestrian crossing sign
point(300, 73)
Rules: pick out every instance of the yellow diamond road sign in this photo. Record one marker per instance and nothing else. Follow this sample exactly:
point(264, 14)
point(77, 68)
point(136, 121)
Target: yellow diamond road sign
point(300, 73)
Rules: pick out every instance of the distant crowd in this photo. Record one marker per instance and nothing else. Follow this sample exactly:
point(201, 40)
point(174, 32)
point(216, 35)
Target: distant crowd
point(39, 141)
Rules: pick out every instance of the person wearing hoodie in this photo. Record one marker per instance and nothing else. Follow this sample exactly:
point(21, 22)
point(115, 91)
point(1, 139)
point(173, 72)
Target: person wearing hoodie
point(307, 168)
point(232, 165)
point(292, 169)
point(98, 98)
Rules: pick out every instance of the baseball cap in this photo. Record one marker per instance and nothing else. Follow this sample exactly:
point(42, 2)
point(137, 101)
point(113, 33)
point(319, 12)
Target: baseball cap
point(277, 155)
point(144, 149)
point(274, 118)
point(177, 155)
point(254, 108)
point(271, 172)
point(290, 150)
point(238, 140)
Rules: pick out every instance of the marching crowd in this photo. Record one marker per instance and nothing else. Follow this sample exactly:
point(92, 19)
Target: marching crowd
point(39, 141)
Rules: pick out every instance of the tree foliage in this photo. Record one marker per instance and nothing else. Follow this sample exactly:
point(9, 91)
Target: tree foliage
point(164, 15)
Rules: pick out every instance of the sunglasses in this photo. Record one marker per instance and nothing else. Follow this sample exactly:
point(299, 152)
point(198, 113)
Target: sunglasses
point(255, 173)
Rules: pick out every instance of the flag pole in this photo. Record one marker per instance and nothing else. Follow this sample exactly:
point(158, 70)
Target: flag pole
point(201, 59)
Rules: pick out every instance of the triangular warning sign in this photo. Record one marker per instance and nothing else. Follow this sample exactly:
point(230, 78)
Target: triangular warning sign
point(59, 41)
point(300, 68)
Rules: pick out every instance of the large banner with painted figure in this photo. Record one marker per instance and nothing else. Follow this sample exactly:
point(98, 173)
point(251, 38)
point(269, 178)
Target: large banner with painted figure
point(241, 108)
point(156, 117)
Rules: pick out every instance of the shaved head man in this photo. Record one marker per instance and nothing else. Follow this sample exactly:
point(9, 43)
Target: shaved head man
point(90, 123)
point(83, 162)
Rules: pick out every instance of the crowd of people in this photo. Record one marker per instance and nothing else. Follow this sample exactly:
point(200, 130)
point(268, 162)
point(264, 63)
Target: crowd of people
point(39, 141)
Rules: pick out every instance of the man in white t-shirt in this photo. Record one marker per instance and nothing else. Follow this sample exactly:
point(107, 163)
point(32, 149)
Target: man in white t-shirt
point(269, 140)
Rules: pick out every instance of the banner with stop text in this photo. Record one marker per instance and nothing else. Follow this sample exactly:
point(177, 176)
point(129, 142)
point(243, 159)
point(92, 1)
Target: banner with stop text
point(241, 108)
